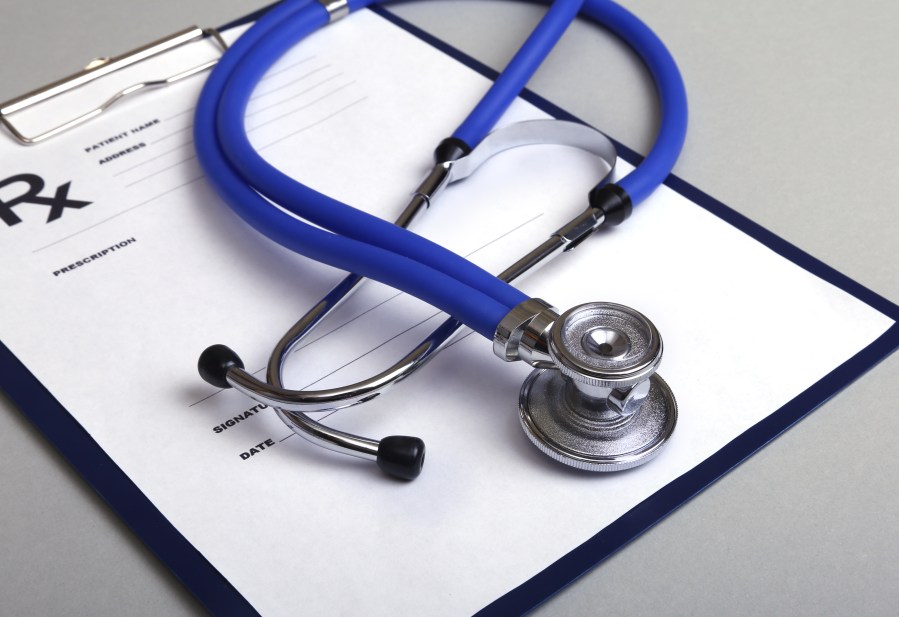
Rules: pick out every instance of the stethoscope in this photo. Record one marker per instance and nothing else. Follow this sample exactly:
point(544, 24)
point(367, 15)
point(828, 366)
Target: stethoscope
point(594, 400)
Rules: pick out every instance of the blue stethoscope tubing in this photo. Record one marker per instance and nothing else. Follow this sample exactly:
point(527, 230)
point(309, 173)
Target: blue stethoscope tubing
point(352, 240)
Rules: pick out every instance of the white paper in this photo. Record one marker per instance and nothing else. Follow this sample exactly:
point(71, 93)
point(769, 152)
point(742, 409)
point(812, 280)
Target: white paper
point(299, 529)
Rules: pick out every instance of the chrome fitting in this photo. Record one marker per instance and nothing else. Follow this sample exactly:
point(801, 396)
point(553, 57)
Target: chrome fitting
point(523, 333)
point(576, 230)
point(337, 9)
point(435, 182)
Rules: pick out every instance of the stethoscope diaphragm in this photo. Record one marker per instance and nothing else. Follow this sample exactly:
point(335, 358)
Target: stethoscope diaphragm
point(602, 408)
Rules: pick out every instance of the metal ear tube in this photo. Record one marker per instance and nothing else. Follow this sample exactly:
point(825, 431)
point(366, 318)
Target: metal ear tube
point(594, 400)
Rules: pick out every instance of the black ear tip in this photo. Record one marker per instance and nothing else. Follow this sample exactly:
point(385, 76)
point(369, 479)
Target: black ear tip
point(401, 456)
point(214, 363)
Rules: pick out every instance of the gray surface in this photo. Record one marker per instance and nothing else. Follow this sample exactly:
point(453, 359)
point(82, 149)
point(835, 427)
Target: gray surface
point(794, 123)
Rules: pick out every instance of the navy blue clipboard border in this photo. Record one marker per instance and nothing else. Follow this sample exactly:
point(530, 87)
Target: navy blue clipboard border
point(220, 597)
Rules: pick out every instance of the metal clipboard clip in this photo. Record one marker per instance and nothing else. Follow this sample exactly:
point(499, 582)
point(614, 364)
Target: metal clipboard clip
point(105, 66)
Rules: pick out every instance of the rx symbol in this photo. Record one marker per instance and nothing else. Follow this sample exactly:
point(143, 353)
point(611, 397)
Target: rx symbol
point(35, 183)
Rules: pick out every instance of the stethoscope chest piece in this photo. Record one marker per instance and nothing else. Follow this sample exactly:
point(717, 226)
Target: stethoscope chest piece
point(602, 408)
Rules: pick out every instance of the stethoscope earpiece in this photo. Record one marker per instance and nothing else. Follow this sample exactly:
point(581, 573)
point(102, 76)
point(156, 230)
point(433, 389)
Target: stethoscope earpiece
point(401, 456)
point(214, 363)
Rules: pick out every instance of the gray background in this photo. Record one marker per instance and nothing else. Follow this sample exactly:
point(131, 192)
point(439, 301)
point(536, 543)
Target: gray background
point(794, 111)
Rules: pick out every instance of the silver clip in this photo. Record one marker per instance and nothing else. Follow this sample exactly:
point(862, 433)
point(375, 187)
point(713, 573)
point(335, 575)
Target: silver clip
point(104, 66)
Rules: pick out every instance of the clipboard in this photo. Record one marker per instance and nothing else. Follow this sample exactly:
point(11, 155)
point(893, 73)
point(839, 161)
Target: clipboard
point(204, 581)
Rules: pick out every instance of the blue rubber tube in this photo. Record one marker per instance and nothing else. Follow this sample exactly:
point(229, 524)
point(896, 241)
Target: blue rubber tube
point(373, 248)
point(478, 311)
point(340, 218)
point(518, 72)
point(669, 87)
point(311, 205)
point(320, 209)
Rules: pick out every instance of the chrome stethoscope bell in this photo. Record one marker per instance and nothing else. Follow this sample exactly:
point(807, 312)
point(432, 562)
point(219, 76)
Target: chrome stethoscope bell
point(600, 407)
